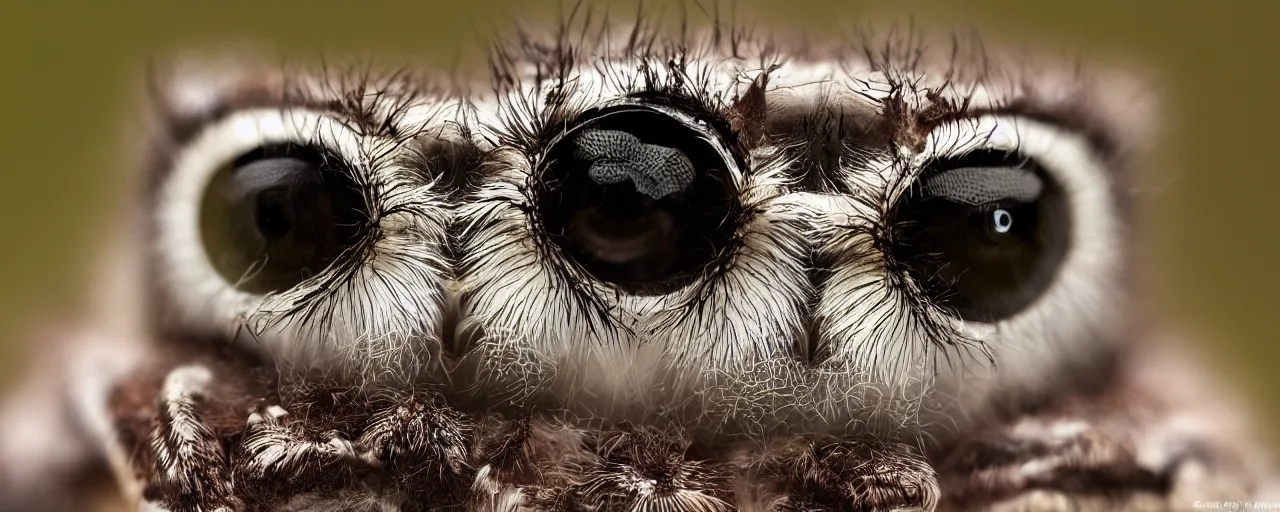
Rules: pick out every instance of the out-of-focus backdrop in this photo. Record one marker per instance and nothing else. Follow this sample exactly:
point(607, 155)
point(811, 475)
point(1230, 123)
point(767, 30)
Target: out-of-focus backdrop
point(70, 69)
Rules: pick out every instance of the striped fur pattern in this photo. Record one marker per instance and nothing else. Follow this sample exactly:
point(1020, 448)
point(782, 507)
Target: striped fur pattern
point(190, 468)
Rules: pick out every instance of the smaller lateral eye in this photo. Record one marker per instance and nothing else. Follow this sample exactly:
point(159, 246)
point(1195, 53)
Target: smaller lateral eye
point(984, 233)
point(278, 215)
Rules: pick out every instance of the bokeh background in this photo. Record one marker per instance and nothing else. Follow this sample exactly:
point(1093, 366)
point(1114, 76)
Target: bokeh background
point(70, 69)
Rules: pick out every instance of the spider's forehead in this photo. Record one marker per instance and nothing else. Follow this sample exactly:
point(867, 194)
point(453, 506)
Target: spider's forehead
point(872, 79)
point(902, 81)
point(192, 92)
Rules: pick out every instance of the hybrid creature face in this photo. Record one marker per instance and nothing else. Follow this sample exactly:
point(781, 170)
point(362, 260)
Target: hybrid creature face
point(650, 272)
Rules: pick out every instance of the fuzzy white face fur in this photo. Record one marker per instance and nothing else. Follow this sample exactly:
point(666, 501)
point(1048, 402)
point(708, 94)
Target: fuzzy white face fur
point(803, 323)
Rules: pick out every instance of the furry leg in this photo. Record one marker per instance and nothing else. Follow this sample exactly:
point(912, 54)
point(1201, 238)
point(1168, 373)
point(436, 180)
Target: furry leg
point(651, 470)
point(274, 454)
point(547, 466)
point(423, 444)
point(509, 467)
point(1161, 436)
point(1067, 463)
point(861, 474)
point(189, 473)
point(55, 431)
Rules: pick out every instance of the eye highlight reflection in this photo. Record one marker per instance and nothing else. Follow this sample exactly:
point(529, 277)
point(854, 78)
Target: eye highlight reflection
point(984, 233)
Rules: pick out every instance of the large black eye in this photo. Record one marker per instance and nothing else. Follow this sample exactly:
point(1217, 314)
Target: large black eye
point(639, 196)
point(983, 233)
point(278, 215)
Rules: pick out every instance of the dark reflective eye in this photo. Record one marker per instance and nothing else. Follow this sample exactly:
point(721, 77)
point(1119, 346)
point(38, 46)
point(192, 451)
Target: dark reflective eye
point(983, 233)
point(639, 196)
point(278, 215)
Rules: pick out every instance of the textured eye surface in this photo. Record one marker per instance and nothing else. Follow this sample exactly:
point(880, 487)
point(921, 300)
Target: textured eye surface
point(278, 215)
point(983, 233)
point(638, 196)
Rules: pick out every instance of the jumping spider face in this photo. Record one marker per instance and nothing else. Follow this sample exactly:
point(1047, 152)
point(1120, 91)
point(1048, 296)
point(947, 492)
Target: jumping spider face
point(653, 273)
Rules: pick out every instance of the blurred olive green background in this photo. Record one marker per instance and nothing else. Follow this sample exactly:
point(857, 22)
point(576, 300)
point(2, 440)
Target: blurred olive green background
point(69, 70)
